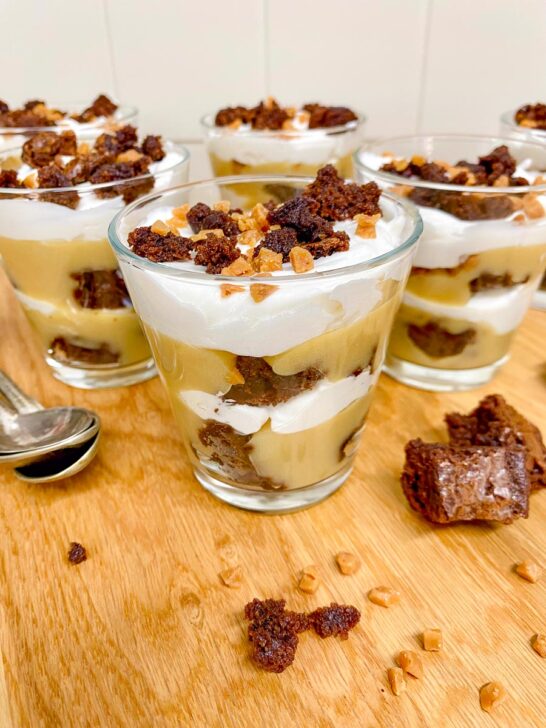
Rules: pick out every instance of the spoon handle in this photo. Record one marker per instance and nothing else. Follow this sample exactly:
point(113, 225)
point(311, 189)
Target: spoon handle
point(21, 401)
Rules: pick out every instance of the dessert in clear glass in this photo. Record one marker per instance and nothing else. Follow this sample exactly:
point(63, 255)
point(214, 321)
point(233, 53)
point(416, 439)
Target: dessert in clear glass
point(274, 140)
point(57, 197)
point(17, 123)
point(528, 123)
point(481, 256)
point(268, 325)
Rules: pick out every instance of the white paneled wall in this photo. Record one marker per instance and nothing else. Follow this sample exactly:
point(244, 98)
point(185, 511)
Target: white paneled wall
point(409, 65)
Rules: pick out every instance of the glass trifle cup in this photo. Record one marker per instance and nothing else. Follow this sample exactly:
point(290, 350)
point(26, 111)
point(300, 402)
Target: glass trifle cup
point(481, 256)
point(54, 249)
point(297, 147)
point(33, 117)
point(528, 123)
point(269, 371)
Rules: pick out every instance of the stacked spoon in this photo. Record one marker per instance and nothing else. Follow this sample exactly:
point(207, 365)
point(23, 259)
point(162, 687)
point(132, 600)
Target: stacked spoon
point(44, 445)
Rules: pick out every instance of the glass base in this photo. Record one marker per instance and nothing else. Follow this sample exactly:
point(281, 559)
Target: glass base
point(273, 501)
point(440, 380)
point(102, 377)
point(539, 299)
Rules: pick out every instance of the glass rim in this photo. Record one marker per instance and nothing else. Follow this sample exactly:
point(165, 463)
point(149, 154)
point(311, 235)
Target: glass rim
point(396, 179)
point(207, 123)
point(128, 113)
point(30, 191)
point(508, 118)
point(123, 251)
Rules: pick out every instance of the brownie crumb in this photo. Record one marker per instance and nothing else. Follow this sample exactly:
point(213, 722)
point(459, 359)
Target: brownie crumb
point(489, 281)
point(77, 553)
point(100, 289)
point(9, 180)
point(280, 241)
point(101, 106)
point(334, 621)
point(339, 200)
point(41, 149)
point(437, 342)
point(263, 387)
point(300, 214)
point(269, 114)
point(447, 483)
point(495, 422)
point(327, 116)
point(337, 243)
point(152, 147)
point(159, 248)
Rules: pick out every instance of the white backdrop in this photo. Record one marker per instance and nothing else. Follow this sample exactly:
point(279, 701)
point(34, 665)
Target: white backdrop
point(409, 65)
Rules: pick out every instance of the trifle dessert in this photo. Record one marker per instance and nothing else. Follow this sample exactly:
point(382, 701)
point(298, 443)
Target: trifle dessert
point(528, 123)
point(19, 121)
point(57, 195)
point(268, 325)
point(481, 256)
point(273, 139)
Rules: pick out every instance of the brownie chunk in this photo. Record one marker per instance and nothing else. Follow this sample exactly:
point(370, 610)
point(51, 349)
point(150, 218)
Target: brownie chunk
point(231, 451)
point(437, 342)
point(3, 107)
point(488, 281)
point(41, 149)
point(8, 179)
point(446, 483)
point(100, 289)
point(65, 351)
point(327, 116)
point(268, 115)
point(50, 177)
point(335, 620)
point(159, 248)
point(201, 217)
point(101, 106)
point(301, 214)
point(495, 422)
point(77, 553)
point(339, 200)
point(216, 253)
point(465, 206)
point(280, 241)
point(337, 243)
point(152, 147)
point(263, 387)
point(273, 633)
point(114, 143)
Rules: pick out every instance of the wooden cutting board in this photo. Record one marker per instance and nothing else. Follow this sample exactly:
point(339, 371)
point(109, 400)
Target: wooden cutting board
point(144, 634)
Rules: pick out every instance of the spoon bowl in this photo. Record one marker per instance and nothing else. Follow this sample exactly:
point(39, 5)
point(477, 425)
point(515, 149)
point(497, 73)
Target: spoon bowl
point(60, 464)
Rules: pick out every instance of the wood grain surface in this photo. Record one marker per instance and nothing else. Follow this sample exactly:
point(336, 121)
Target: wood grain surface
point(144, 633)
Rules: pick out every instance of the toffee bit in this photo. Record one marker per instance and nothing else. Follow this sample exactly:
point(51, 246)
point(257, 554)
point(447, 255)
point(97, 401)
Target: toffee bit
point(309, 580)
point(538, 643)
point(384, 596)
point(529, 570)
point(266, 261)
point(239, 267)
point(347, 563)
point(76, 553)
point(261, 291)
point(432, 640)
point(301, 259)
point(411, 663)
point(228, 289)
point(397, 680)
point(232, 577)
point(492, 694)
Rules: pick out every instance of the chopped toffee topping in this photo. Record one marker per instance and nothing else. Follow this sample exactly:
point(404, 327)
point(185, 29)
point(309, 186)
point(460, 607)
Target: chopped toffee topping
point(496, 423)
point(36, 113)
point(273, 630)
point(447, 483)
point(437, 342)
point(262, 387)
point(115, 156)
point(270, 115)
point(495, 169)
point(65, 351)
point(231, 242)
point(97, 289)
point(532, 116)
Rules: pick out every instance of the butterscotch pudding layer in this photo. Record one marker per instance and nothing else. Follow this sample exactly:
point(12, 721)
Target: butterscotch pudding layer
point(57, 197)
point(268, 325)
point(482, 254)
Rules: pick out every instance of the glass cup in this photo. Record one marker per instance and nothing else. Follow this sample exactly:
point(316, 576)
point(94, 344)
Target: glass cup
point(11, 137)
point(473, 279)
point(511, 129)
point(67, 279)
point(309, 356)
point(285, 152)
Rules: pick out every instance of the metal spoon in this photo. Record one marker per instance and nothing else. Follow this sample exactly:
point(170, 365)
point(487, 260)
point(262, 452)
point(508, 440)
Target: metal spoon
point(50, 464)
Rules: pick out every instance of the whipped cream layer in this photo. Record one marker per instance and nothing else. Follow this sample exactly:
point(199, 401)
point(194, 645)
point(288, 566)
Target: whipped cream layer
point(447, 240)
point(306, 146)
point(22, 218)
point(503, 309)
point(300, 309)
point(305, 410)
